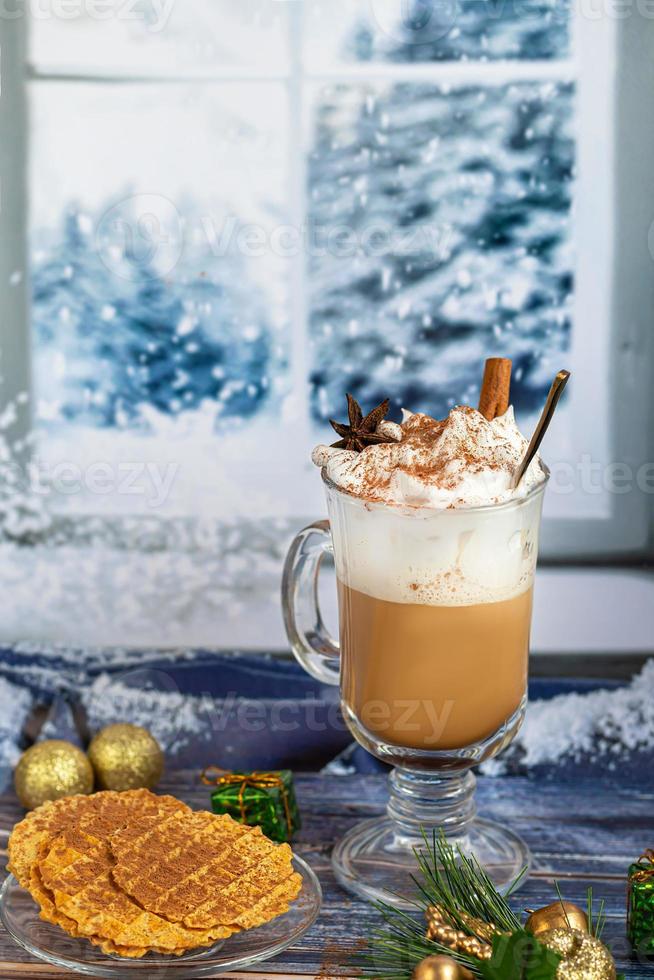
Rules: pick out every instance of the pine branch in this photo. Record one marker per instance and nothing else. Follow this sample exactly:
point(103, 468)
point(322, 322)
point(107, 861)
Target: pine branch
point(457, 882)
point(459, 885)
point(562, 904)
point(595, 925)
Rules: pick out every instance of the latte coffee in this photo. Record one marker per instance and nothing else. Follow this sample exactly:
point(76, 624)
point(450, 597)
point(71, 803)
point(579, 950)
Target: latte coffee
point(432, 676)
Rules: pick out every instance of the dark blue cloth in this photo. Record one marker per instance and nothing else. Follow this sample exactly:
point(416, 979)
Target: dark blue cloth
point(237, 710)
point(234, 710)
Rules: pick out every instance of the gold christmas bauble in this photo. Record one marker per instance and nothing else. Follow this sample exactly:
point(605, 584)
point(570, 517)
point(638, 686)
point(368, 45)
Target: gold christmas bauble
point(126, 757)
point(50, 770)
point(441, 968)
point(582, 956)
point(558, 915)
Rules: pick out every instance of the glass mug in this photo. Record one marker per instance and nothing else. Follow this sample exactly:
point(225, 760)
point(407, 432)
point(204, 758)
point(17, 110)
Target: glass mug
point(435, 615)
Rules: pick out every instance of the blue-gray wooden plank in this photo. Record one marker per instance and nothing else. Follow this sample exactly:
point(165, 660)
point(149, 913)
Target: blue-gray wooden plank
point(581, 833)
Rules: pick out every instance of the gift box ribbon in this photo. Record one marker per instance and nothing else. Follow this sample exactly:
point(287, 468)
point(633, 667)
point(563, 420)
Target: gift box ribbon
point(215, 776)
point(645, 873)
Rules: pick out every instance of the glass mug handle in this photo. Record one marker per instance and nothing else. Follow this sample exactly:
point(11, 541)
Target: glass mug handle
point(310, 640)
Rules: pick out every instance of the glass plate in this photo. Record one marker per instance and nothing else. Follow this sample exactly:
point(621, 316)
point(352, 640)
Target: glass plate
point(20, 916)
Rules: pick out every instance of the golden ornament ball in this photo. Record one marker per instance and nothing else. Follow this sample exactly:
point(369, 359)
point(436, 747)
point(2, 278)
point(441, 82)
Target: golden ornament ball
point(582, 956)
point(441, 968)
point(126, 757)
point(50, 770)
point(558, 915)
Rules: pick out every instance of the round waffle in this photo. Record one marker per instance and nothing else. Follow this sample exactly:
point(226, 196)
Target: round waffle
point(39, 825)
point(205, 871)
point(77, 873)
point(100, 814)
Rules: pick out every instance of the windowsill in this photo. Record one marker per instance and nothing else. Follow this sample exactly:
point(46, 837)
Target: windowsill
point(594, 610)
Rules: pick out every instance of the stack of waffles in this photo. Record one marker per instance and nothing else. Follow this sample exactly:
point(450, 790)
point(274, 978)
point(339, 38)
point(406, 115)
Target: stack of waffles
point(136, 873)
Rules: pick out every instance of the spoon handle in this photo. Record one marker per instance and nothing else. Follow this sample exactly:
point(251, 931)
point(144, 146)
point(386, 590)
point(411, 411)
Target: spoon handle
point(559, 383)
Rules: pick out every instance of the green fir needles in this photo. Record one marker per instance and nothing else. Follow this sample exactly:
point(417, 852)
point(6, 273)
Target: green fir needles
point(456, 884)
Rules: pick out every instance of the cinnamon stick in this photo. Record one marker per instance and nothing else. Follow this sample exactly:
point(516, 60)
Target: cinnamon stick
point(496, 388)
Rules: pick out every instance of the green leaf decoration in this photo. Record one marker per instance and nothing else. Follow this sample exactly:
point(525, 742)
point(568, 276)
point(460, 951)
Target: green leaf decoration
point(520, 957)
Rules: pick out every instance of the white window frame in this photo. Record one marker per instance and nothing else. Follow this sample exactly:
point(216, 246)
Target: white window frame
point(614, 274)
point(614, 277)
point(15, 377)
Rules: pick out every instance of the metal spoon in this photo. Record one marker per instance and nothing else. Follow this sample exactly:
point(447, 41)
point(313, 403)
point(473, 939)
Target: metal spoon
point(559, 383)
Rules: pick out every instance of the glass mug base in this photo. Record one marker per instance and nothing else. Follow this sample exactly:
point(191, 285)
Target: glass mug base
point(375, 863)
point(433, 793)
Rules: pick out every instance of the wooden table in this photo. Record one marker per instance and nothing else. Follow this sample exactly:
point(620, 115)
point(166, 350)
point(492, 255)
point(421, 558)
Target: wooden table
point(581, 833)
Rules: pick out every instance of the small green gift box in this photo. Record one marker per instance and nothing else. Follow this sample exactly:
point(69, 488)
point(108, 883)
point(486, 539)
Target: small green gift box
point(258, 799)
point(640, 904)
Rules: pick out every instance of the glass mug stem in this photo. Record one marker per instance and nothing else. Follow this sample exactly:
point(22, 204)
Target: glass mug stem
point(423, 802)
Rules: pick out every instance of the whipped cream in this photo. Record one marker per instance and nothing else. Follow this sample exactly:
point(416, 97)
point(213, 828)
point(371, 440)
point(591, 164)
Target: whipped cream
point(463, 461)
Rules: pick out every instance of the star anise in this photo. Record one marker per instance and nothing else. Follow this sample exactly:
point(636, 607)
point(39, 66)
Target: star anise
point(361, 432)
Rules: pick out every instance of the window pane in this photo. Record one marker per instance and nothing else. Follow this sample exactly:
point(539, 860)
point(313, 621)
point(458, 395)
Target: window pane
point(160, 35)
point(435, 30)
point(442, 223)
point(159, 317)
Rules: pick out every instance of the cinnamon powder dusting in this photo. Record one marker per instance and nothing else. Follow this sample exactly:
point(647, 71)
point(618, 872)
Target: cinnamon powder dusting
point(435, 453)
point(463, 461)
